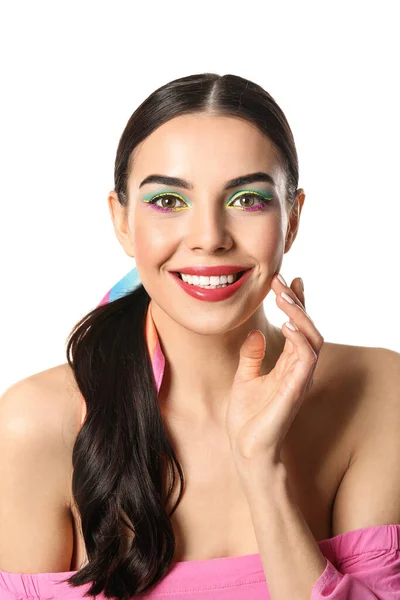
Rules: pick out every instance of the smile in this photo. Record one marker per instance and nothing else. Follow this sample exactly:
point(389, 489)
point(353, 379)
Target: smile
point(214, 288)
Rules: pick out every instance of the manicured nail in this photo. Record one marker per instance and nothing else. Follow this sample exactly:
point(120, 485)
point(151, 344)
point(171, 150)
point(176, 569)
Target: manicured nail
point(302, 283)
point(291, 326)
point(281, 279)
point(287, 297)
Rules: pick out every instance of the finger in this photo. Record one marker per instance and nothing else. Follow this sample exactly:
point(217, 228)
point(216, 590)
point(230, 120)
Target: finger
point(307, 356)
point(297, 314)
point(303, 324)
point(252, 353)
point(293, 291)
point(297, 287)
point(295, 383)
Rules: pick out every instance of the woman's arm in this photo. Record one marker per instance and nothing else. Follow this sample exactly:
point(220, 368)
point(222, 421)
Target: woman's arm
point(291, 558)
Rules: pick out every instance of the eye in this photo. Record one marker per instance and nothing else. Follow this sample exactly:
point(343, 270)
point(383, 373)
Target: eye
point(251, 201)
point(168, 202)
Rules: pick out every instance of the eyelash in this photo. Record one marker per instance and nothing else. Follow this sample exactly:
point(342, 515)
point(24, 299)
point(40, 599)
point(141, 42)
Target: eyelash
point(264, 202)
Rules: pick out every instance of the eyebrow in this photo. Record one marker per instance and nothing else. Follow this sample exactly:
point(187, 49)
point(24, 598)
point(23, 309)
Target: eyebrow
point(187, 185)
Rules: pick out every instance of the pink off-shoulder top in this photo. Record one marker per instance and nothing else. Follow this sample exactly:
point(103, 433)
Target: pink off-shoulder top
point(363, 564)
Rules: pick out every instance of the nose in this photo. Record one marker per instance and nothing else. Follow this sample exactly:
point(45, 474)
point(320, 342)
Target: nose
point(207, 228)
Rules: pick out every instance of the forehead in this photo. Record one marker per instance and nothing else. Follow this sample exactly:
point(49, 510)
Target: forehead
point(207, 150)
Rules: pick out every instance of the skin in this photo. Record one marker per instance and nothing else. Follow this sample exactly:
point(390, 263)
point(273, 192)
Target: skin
point(206, 150)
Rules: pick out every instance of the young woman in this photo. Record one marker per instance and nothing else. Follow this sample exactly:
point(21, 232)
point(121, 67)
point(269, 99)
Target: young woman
point(174, 454)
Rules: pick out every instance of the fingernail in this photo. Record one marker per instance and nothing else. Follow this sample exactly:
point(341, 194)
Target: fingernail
point(302, 283)
point(281, 279)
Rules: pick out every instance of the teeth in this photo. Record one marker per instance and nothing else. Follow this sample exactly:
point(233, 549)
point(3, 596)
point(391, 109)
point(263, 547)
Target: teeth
point(208, 281)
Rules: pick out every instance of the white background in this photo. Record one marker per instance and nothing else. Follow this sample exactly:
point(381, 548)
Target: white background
point(72, 73)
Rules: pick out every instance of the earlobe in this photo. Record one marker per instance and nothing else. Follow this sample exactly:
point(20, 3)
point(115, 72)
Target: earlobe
point(119, 217)
point(288, 241)
point(294, 219)
point(114, 207)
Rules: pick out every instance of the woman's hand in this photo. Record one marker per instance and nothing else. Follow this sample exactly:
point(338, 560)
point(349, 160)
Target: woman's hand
point(262, 408)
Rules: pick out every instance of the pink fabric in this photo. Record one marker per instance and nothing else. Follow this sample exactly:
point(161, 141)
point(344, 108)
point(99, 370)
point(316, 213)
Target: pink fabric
point(363, 564)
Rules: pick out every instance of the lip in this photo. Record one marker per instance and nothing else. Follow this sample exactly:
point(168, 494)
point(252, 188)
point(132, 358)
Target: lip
point(210, 271)
point(215, 295)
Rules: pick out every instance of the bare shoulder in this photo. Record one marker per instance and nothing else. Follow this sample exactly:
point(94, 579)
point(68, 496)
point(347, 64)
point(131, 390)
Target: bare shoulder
point(45, 406)
point(360, 383)
point(369, 493)
point(340, 394)
point(379, 371)
point(39, 419)
point(381, 412)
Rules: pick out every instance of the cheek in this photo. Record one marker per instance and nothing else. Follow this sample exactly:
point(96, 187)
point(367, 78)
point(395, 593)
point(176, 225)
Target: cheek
point(153, 245)
point(266, 242)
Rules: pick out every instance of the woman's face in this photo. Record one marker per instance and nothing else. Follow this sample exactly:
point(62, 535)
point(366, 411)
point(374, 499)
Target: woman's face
point(206, 225)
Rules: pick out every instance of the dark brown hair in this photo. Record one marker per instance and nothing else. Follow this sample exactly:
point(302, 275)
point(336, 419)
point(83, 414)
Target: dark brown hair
point(122, 451)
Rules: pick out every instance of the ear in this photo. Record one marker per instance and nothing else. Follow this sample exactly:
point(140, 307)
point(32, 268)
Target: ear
point(294, 219)
point(119, 215)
